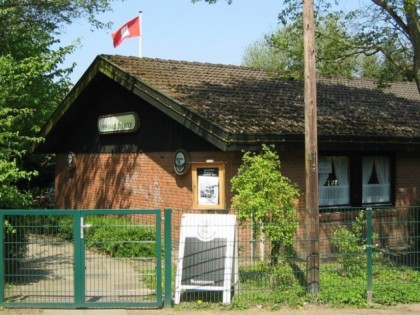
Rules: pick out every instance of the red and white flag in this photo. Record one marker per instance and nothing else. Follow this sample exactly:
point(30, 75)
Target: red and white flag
point(129, 29)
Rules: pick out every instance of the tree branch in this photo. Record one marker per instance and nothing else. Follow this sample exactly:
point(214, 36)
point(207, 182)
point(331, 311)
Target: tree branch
point(385, 6)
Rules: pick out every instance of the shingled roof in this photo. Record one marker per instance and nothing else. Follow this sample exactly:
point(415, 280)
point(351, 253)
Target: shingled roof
point(248, 103)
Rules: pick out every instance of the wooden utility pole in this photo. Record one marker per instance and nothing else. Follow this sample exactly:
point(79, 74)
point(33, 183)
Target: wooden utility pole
point(311, 149)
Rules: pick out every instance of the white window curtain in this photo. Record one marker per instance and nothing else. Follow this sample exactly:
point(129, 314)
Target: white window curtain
point(382, 169)
point(367, 165)
point(338, 192)
point(341, 166)
point(376, 192)
point(323, 174)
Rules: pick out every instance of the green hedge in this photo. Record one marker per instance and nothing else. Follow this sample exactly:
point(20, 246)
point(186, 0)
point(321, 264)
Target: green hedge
point(115, 236)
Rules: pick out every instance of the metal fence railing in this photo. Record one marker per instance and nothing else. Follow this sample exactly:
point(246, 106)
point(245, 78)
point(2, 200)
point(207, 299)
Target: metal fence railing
point(364, 255)
point(83, 258)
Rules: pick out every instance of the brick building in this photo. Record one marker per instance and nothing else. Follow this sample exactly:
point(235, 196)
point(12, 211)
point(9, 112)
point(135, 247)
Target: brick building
point(129, 122)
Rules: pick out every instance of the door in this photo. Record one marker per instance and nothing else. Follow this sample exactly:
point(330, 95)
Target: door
point(121, 263)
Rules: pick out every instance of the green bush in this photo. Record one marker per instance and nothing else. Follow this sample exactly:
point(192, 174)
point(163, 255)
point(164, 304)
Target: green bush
point(122, 242)
point(42, 224)
point(65, 227)
point(262, 274)
point(350, 244)
point(262, 194)
point(15, 243)
point(119, 237)
point(351, 253)
point(255, 274)
point(115, 236)
point(275, 285)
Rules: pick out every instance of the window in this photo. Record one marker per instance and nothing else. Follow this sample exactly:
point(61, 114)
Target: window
point(208, 185)
point(376, 179)
point(354, 180)
point(334, 185)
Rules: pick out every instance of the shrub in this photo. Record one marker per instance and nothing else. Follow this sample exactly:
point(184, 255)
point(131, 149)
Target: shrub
point(351, 253)
point(15, 243)
point(65, 227)
point(115, 236)
point(42, 224)
point(350, 245)
point(127, 240)
point(122, 242)
point(272, 284)
point(264, 195)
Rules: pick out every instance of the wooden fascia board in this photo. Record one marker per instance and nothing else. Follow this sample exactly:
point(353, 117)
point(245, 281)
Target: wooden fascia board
point(254, 141)
point(369, 139)
point(192, 121)
point(246, 141)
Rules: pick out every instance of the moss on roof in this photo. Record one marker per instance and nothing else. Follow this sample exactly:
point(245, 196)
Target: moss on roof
point(245, 100)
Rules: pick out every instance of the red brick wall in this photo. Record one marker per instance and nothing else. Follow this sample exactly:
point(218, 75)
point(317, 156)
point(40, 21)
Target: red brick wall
point(407, 181)
point(148, 180)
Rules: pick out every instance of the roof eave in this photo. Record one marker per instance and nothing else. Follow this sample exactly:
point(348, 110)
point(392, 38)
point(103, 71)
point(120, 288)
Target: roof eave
point(244, 141)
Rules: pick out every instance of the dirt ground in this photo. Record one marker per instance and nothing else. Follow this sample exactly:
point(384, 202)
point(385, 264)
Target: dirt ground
point(409, 309)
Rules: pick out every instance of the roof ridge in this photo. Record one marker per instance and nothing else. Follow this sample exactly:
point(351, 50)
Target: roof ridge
point(187, 63)
point(268, 72)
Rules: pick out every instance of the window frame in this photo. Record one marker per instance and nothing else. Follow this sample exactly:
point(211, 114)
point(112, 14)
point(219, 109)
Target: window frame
point(220, 166)
point(331, 159)
point(356, 181)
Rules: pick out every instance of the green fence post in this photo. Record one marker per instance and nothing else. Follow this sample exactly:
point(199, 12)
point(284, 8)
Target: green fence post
point(168, 259)
point(79, 259)
point(2, 257)
point(369, 253)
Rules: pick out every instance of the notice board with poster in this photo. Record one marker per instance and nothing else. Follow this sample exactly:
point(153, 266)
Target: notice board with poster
point(208, 184)
point(207, 255)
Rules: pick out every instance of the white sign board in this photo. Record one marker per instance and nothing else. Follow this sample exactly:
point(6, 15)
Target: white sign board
point(124, 122)
point(207, 255)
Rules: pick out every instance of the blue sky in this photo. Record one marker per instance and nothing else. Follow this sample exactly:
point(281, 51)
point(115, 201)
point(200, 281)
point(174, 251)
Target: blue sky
point(178, 30)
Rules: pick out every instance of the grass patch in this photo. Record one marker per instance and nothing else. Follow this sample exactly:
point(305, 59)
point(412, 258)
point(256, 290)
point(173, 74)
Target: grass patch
point(263, 286)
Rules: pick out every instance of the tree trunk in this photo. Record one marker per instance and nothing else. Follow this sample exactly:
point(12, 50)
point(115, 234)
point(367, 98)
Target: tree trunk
point(414, 35)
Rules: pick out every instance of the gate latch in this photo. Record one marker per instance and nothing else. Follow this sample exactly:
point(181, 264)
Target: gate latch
point(82, 227)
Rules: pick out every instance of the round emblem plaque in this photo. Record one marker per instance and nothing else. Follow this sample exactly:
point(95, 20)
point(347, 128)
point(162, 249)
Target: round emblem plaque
point(205, 231)
point(181, 162)
point(71, 160)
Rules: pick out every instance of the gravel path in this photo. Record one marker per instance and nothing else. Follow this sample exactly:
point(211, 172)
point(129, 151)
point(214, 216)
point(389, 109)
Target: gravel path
point(47, 275)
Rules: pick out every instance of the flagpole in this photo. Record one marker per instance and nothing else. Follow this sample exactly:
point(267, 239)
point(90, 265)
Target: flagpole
point(140, 32)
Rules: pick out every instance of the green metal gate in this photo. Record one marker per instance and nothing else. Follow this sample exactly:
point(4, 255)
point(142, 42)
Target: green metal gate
point(85, 258)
